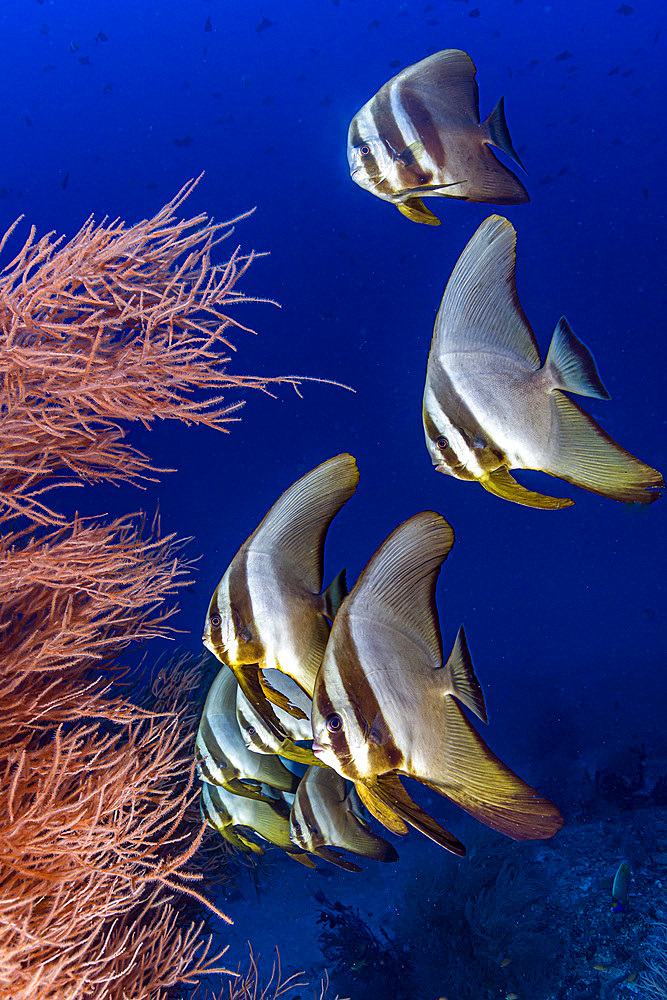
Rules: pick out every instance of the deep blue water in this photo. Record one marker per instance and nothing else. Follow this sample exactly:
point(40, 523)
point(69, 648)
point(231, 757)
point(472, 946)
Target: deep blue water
point(564, 610)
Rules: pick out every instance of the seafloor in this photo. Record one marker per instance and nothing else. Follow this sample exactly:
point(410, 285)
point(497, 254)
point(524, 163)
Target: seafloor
point(531, 921)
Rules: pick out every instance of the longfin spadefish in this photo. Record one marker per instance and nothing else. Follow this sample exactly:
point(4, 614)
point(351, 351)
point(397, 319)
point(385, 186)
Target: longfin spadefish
point(390, 791)
point(475, 779)
point(505, 486)
point(416, 210)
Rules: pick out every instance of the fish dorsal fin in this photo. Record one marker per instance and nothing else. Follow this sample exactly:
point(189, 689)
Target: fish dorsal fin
point(377, 807)
point(445, 83)
point(388, 789)
point(464, 682)
point(415, 210)
point(571, 365)
point(480, 310)
point(398, 585)
point(297, 524)
point(502, 484)
point(470, 774)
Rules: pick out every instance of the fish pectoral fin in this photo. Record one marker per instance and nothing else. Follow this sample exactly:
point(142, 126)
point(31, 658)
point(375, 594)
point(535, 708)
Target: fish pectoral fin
point(583, 454)
point(465, 685)
point(390, 791)
point(280, 699)
point(416, 210)
point(471, 775)
point(334, 858)
point(247, 845)
point(505, 486)
point(378, 808)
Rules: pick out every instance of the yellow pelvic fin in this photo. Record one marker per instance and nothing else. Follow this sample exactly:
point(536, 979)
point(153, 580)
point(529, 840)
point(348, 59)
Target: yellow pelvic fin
point(280, 699)
point(378, 808)
point(416, 210)
point(504, 485)
point(249, 681)
point(388, 789)
point(303, 859)
point(302, 755)
point(328, 854)
point(246, 789)
point(471, 775)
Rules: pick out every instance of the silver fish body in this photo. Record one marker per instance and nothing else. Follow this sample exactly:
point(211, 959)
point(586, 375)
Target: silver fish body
point(260, 737)
point(326, 819)
point(268, 611)
point(420, 135)
point(385, 704)
point(222, 756)
point(490, 405)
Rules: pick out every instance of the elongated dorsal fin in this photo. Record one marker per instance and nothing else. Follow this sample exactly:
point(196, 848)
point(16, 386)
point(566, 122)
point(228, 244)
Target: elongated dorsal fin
point(297, 524)
point(480, 310)
point(398, 584)
point(445, 81)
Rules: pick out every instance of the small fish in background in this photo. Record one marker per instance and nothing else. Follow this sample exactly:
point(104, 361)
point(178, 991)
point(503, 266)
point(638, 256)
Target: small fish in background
point(490, 405)
point(625, 9)
point(100, 37)
point(237, 818)
point(386, 701)
point(620, 889)
point(269, 611)
point(208, 26)
point(263, 25)
point(326, 819)
point(64, 181)
point(260, 737)
point(222, 756)
point(420, 135)
point(185, 141)
point(85, 60)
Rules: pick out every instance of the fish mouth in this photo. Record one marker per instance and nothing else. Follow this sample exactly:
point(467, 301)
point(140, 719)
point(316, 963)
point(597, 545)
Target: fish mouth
point(318, 748)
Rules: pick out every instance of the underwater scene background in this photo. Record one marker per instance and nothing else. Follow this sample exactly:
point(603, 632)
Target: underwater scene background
point(109, 108)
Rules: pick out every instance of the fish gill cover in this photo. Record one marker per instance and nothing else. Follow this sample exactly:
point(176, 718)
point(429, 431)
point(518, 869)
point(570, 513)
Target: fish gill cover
point(110, 110)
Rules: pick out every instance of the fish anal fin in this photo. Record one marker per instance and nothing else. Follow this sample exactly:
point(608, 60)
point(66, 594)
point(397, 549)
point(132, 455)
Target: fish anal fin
point(334, 858)
point(499, 133)
point(390, 791)
point(476, 780)
point(464, 682)
point(571, 366)
point(415, 210)
point(505, 486)
point(378, 808)
point(335, 594)
point(583, 454)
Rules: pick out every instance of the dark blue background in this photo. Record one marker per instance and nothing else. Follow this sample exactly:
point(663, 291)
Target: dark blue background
point(564, 610)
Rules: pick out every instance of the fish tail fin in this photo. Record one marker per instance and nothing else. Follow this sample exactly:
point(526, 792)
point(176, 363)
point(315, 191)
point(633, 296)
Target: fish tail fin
point(499, 133)
point(502, 484)
point(582, 453)
point(477, 781)
point(416, 210)
point(335, 594)
point(464, 682)
point(390, 791)
point(571, 365)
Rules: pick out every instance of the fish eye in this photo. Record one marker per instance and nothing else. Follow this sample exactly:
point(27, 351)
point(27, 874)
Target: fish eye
point(251, 731)
point(214, 621)
point(365, 150)
point(334, 723)
point(442, 443)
